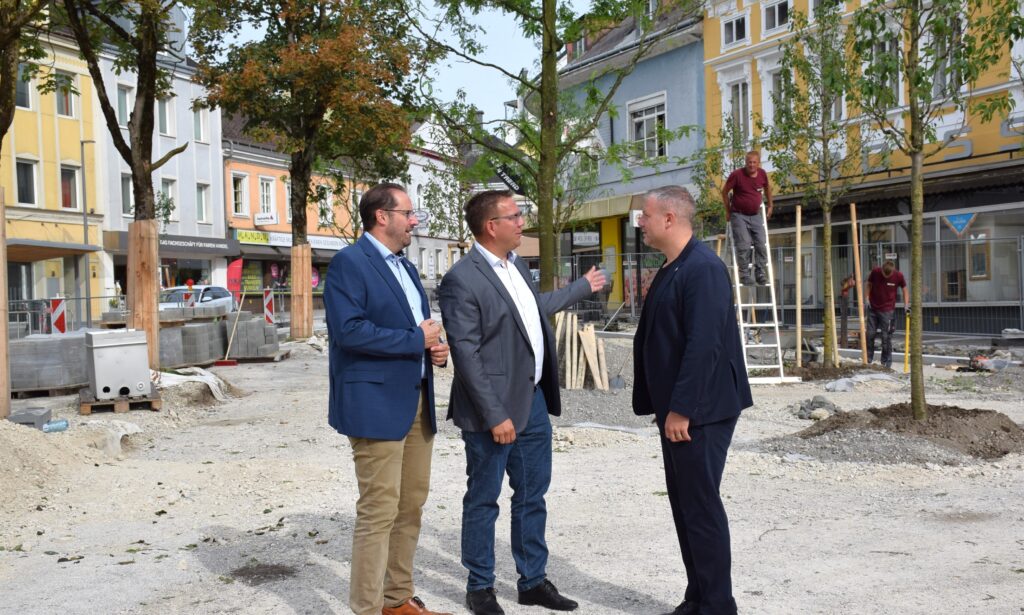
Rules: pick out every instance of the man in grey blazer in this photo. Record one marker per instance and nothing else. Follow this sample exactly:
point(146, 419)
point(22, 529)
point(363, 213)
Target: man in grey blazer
point(506, 384)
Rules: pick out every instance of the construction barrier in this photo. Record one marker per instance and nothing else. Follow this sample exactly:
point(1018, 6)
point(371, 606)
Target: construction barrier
point(189, 299)
point(58, 316)
point(268, 306)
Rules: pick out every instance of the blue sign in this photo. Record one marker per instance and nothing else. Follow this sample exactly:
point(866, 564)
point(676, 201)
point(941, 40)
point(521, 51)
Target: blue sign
point(959, 222)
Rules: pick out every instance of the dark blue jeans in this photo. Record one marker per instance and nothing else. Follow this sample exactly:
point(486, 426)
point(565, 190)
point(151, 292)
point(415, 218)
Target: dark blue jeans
point(527, 461)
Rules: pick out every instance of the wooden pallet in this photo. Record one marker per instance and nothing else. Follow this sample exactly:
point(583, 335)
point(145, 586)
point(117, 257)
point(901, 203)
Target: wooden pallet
point(58, 392)
point(277, 357)
point(87, 403)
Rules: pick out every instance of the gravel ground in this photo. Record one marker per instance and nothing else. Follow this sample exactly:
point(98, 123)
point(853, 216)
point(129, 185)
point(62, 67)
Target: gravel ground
point(247, 507)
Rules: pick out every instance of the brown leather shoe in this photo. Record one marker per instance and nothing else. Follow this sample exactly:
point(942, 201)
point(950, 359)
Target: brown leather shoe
point(412, 606)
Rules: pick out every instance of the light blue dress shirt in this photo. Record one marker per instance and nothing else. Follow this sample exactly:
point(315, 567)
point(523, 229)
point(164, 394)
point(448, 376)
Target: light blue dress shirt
point(412, 294)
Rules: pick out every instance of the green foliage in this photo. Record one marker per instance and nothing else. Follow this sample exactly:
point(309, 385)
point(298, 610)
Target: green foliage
point(712, 164)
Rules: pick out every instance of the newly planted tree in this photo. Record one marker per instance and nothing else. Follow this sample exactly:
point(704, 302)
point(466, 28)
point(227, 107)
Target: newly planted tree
point(812, 140)
point(921, 63)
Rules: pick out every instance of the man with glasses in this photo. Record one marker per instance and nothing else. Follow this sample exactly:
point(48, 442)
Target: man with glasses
point(506, 384)
point(383, 346)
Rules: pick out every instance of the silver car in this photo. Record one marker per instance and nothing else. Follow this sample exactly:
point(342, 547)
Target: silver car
point(212, 296)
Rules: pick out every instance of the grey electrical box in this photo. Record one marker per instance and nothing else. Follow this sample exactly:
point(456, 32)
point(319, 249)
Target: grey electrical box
point(118, 363)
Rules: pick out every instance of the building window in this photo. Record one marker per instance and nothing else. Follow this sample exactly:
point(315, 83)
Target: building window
point(239, 195)
point(199, 124)
point(68, 188)
point(739, 105)
point(288, 199)
point(169, 189)
point(947, 75)
point(124, 95)
point(164, 118)
point(776, 15)
point(734, 31)
point(65, 96)
point(26, 171)
point(579, 47)
point(325, 215)
point(887, 52)
point(778, 93)
point(266, 195)
point(23, 88)
point(202, 196)
point(646, 122)
point(127, 196)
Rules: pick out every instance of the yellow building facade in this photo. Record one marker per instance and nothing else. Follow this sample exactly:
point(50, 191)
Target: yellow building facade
point(48, 188)
point(974, 186)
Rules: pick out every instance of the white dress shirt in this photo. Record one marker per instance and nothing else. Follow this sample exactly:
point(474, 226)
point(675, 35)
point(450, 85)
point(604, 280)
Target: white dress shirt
point(522, 295)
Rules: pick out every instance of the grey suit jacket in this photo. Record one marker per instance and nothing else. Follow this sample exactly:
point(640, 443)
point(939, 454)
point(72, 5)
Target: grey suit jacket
point(490, 348)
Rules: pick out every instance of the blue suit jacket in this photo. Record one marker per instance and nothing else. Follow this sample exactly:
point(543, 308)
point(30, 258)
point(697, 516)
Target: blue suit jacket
point(687, 353)
point(376, 347)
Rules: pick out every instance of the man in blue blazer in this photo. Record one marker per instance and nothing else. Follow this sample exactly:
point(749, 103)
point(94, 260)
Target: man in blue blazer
point(383, 345)
point(690, 374)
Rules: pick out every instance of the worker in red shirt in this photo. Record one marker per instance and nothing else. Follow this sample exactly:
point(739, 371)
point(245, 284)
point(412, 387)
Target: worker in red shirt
point(749, 187)
point(881, 291)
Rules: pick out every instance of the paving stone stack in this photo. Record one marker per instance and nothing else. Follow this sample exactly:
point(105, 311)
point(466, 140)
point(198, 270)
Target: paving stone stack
point(40, 362)
point(254, 337)
point(172, 353)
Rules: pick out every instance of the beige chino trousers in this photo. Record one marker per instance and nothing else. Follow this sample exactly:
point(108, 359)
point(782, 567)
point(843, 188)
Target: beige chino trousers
point(394, 478)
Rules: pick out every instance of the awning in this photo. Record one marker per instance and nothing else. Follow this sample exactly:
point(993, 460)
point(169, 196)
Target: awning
point(33, 250)
point(281, 253)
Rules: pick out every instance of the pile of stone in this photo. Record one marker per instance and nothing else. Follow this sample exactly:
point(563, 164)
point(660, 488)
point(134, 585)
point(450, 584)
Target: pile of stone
point(39, 362)
point(817, 408)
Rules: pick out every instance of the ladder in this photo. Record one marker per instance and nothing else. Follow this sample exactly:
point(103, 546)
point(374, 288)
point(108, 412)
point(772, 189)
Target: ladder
point(767, 354)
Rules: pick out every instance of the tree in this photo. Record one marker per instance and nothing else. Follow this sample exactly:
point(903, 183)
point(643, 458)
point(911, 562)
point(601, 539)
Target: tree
point(930, 54)
point(142, 38)
point(542, 151)
point(327, 83)
point(813, 142)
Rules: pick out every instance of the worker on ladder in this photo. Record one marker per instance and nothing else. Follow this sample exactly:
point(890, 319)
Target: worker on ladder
point(750, 188)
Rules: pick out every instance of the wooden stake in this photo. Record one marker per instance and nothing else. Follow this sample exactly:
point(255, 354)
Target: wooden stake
point(799, 298)
point(602, 364)
point(559, 322)
point(143, 284)
point(581, 369)
point(860, 284)
point(5, 367)
point(302, 292)
point(589, 339)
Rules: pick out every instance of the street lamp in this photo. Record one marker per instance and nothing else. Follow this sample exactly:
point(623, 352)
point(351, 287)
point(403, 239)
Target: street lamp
point(85, 233)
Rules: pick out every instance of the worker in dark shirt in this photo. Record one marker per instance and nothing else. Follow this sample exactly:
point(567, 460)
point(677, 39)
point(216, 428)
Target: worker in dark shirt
point(881, 292)
point(749, 187)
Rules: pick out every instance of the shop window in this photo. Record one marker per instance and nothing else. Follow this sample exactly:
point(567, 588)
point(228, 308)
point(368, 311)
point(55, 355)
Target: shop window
point(979, 258)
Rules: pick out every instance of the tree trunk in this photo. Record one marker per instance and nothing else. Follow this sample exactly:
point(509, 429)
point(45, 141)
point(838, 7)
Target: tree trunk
point(917, 399)
point(829, 304)
point(548, 145)
point(301, 326)
point(8, 76)
point(143, 284)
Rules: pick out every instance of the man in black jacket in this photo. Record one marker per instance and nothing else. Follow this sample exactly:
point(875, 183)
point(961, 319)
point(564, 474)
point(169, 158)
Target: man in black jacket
point(691, 375)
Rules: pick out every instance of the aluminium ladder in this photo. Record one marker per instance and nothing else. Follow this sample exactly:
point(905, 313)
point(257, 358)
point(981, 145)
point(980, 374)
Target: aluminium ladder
point(767, 354)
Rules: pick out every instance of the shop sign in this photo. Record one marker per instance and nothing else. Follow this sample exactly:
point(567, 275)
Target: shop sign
point(586, 238)
point(284, 240)
point(959, 223)
point(264, 218)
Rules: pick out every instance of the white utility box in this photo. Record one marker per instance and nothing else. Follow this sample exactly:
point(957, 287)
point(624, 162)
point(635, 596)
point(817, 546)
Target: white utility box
point(117, 363)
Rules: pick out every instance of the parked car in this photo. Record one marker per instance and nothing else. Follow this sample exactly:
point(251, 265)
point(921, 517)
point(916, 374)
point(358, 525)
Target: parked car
point(174, 297)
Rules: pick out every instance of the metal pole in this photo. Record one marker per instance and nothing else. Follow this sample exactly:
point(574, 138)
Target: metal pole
point(85, 235)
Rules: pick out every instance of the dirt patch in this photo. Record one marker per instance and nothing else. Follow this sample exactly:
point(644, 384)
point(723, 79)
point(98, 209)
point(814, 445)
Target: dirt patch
point(979, 433)
point(258, 574)
point(817, 371)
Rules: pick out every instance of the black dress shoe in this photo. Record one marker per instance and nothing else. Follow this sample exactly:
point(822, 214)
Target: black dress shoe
point(687, 607)
point(546, 595)
point(483, 602)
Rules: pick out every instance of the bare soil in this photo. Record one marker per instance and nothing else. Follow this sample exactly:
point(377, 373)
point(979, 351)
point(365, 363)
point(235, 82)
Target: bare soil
point(817, 371)
point(985, 434)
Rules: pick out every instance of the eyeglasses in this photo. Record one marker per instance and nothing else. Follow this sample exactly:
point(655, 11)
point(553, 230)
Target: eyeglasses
point(516, 217)
point(421, 216)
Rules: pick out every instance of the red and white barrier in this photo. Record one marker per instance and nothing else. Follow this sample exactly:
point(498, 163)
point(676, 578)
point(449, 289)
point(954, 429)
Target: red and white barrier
point(189, 298)
point(58, 316)
point(268, 306)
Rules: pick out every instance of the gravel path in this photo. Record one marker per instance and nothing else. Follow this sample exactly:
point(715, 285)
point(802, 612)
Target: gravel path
point(247, 507)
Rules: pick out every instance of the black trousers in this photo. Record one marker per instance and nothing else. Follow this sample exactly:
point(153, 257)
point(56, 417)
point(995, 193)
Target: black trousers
point(693, 474)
